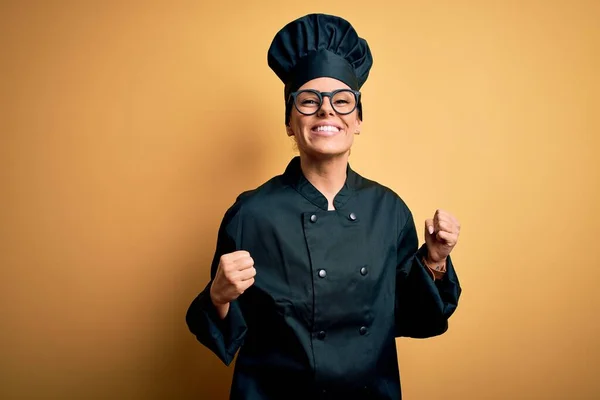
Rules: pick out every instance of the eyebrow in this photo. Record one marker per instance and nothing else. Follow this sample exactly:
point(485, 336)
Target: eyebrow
point(324, 91)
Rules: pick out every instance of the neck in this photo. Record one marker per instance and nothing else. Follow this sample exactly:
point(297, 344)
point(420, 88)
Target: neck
point(328, 175)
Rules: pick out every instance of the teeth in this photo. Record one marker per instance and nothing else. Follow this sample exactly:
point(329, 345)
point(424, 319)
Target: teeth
point(327, 128)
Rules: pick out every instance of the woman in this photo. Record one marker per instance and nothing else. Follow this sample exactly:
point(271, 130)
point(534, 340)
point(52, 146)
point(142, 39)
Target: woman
point(318, 270)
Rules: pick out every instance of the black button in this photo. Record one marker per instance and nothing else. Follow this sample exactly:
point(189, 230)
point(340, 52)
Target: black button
point(322, 273)
point(321, 335)
point(363, 271)
point(313, 218)
point(352, 217)
point(363, 330)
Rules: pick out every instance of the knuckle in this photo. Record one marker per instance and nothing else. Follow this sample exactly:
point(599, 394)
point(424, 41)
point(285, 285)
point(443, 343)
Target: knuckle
point(229, 275)
point(226, 267)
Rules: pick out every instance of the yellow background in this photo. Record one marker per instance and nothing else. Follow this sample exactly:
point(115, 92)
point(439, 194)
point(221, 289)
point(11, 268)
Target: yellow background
point(128, 129)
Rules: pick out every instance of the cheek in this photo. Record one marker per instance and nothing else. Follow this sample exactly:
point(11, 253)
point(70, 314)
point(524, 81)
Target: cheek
point(296, 121)
point(352, 122)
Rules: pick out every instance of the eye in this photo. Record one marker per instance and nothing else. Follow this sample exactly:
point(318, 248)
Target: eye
point(308, 100)
point(344, 99)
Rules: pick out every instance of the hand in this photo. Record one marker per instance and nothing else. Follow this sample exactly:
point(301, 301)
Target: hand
point(234, 275)
point(441, 235)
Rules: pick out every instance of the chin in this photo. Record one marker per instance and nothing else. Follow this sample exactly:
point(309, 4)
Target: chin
point(327, 152)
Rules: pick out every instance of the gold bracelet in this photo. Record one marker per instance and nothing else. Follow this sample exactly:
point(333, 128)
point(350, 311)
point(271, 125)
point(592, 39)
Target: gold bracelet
point(438, 271)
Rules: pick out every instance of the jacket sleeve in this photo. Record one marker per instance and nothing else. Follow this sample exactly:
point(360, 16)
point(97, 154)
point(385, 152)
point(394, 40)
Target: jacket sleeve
point(423, 306)
point(222, 337)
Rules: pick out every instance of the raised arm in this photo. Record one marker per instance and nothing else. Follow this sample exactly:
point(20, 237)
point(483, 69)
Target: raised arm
point(425, 300)
point(214, 316)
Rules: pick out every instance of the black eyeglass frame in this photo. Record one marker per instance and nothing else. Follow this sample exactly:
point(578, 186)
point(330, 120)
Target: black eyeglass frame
point(320, 95)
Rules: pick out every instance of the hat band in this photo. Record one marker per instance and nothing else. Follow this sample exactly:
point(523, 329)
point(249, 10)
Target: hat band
point(321, 64)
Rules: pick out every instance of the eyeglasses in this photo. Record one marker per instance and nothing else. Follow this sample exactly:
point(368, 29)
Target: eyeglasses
point(309, 101)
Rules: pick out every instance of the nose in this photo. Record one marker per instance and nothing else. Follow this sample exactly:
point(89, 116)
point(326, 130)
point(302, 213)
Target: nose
point(326, 108)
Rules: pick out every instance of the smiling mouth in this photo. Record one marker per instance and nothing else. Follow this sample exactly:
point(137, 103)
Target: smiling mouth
point(326, 128)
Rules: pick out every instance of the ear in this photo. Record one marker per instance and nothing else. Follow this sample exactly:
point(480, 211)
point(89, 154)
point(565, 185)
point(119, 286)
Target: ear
point(358, 124)
point(289, 130)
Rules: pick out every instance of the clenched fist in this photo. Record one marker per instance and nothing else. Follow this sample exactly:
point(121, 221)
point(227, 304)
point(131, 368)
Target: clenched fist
point(234, 275)
point(441, 235)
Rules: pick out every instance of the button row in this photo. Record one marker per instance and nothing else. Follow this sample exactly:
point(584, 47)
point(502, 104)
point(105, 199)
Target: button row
point(323, 273)
point(351, 217)
point(362, 330)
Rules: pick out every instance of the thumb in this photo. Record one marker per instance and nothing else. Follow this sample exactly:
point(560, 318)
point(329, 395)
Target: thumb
point(429, 226)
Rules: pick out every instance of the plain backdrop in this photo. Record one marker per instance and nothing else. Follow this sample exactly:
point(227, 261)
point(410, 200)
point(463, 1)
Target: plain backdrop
point(128, 128)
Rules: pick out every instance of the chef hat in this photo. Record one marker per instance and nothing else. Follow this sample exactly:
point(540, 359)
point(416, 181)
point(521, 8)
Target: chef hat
point(319, 45)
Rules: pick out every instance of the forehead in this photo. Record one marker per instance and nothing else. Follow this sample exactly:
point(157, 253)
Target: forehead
point(324, 84)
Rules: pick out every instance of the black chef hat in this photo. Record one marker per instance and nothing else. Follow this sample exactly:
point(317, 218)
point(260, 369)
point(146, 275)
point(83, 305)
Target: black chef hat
point(319, 45)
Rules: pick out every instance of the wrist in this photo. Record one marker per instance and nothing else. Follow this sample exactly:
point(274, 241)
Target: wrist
point(431, 260)
point(436, 268)
point(217, 302)
point(222, 308)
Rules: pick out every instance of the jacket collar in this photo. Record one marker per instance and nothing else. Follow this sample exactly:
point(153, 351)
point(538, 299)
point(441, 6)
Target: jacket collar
point(294, 176)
